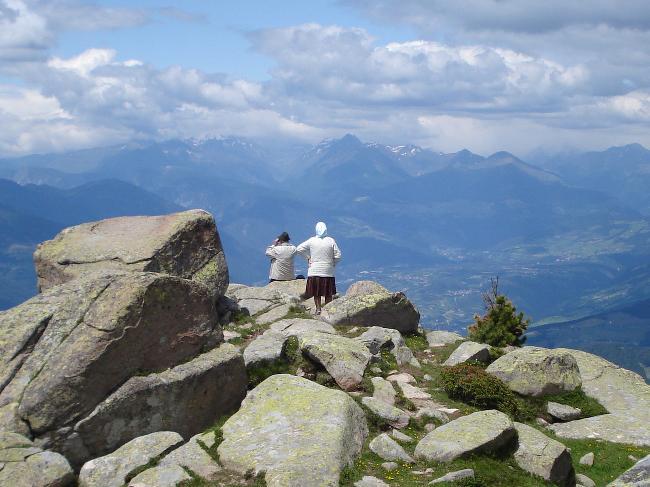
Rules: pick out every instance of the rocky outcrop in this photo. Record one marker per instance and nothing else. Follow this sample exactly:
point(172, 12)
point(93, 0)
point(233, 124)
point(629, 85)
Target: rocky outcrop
point(468, 352)
point(478, 432)
point(441, 338)
point(379, 309)
point(112, 470)
point(637, 476)
point(22, 464)
point(345, 359)
point(623, 393)
point(182, 244)
point(365, 287)
point(534, 371)
point(83, 358)
point(543, 456)
point(298, 432)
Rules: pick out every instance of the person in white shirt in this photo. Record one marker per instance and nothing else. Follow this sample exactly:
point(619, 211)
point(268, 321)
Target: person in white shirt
point(322, 254)
point(281, 253)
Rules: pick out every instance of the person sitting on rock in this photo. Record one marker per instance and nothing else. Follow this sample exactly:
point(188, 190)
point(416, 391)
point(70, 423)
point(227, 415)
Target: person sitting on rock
point(281, 253)
point(322, 254)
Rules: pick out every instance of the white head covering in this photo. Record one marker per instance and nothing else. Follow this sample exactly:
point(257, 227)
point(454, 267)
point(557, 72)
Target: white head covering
point(321, 229)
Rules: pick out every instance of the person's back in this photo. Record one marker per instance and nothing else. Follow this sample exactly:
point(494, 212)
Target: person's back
point(323, 254)
point(281, 254)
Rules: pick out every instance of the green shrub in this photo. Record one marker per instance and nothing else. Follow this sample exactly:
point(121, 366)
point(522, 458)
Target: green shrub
point(501, 325)
point(473, 385)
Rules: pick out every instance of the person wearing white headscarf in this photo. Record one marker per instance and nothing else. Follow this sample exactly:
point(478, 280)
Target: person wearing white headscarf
point(322, 254)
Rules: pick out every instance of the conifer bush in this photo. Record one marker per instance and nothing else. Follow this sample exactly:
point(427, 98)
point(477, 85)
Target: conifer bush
point(474, 386)
point(501, 325)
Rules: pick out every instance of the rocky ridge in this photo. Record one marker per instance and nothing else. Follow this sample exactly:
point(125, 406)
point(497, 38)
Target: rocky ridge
point(348, 398)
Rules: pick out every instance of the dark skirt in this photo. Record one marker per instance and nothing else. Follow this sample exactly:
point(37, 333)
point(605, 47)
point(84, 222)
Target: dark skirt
point(320, 286)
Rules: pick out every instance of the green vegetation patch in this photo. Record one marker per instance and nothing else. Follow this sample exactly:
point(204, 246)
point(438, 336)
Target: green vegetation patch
point(473, 385)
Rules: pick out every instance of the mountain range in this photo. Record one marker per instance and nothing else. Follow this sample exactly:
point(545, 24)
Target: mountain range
point(569, 236)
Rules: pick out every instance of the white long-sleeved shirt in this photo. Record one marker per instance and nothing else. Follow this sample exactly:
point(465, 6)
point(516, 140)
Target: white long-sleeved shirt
point(323, 255)
point(281, 261)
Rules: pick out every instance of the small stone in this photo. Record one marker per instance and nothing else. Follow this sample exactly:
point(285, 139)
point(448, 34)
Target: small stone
point(383, 390)
point(442, 338)
point(584, 480)
point(388, 449)
point(633, 458)
point(542, 422)
point(389, 466)
point(403, 377)
point(368, 481)
point(354, 329)
point(432, 413)
point(469, 351)
point(375, 370)
point(427, 377)
point(399, 436)
point(429, 427)
point(562, 411)
point(230, 335)
point(394, 416)
point(412, 392)
point(454, 476)
point(587, 459)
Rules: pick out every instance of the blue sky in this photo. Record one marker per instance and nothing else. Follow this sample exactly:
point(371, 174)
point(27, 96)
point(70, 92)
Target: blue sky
point(519, 75)
point(212, 35)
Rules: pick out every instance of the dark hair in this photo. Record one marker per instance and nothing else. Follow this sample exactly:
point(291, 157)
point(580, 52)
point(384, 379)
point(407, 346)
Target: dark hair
point(284, 237)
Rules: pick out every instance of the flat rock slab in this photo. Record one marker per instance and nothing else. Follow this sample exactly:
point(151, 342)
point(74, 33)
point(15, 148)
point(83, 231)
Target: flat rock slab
point(192, 455)
point(296, 431)
point(469, 351)
point(454, 476)
point(378, 309)
point(637, 476)
point(383, 390)
point(392, 415)
point(402, 377)
point(274, 314)
point(265, 348)
point(24, 465)
point(388, 449)
point(440, 338)
point(345, 359)
point(369, 481)
point(298, 326)
point(483, 431)
point(535, 371)
point(187, 398)
point(623, 393)
point(111, 470)
point(413, 393)
point(543, 456)
point(562, 411)
point(184, 244)
point(169, 476)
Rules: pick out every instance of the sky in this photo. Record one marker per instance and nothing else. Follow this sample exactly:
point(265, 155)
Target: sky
point(487, 75)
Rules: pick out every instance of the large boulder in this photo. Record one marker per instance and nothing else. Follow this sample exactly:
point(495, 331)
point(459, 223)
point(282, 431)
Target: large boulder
point(535, 371)
point(345, 359)
point(388, 310)
point(484, 431)
point(440, 338)
point(365, 287)
point(469, 351)
point(623, 393)
point(73, 351)
point(111, 470)
point(543, 456)
point(184, 244)
point(296, 431)
point(637, 476)
point(22, 464)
